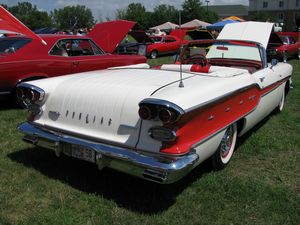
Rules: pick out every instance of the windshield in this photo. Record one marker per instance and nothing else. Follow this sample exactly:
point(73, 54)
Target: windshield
point(8, 46)
point(233, 51)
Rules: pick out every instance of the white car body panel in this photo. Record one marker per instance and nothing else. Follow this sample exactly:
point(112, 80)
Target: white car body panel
point(106, 118)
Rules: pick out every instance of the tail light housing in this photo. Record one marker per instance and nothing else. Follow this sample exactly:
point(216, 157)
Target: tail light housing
point(167, 113)
point(154, 109)
point(31, 96)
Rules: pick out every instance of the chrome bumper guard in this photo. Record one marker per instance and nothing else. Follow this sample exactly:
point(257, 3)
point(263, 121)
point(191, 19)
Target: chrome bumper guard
point(154, 167)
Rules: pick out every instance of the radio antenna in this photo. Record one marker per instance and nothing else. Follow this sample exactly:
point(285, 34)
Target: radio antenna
point(181, 85)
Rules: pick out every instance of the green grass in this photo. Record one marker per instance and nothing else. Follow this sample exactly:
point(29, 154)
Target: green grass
point(260, 186)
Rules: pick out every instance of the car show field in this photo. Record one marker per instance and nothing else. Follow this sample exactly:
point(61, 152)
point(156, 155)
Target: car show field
point(199, 132)
point(260, 186)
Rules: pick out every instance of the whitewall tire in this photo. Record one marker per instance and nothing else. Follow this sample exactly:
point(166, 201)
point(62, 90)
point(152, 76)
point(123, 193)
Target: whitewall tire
point(281, 103)
point(224, 153)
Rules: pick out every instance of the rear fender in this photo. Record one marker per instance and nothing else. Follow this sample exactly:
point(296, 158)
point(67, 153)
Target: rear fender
point(30, 77)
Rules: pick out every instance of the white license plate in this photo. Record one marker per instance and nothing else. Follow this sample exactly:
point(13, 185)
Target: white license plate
point(83, 153)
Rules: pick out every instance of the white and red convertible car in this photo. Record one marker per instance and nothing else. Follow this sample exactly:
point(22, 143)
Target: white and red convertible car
point(151, 123)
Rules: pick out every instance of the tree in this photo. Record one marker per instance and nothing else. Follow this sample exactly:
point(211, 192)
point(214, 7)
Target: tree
point(211, 17)
point(165, 13)
point(135, 12)
point(4, 6)
point(193, 9)
point(71, 17)
point(30, 15)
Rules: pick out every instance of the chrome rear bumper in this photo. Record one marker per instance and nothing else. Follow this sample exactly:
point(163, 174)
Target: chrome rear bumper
point(154, 167)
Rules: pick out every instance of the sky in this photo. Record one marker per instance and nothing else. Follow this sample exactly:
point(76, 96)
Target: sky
point(103, 9)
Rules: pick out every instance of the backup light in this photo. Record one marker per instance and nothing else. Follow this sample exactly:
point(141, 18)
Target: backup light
point(162, 134)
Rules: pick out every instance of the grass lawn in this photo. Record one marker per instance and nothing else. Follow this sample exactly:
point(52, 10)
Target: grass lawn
point(260, 186)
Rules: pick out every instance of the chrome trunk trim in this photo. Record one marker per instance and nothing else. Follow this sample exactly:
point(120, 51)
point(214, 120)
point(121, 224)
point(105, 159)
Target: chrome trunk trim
point(154, 167)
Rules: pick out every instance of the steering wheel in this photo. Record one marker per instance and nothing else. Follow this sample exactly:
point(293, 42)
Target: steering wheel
point(199, 59)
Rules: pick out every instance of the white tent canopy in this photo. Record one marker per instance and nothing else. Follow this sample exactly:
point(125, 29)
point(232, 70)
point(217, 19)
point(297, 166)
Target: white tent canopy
point(165, 26)
point(195, 23)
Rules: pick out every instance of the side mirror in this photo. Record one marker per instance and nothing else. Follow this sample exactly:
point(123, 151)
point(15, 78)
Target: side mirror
point(274, 62)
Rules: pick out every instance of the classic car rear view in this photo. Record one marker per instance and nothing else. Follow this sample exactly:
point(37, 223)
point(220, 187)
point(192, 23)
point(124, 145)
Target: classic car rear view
point(158, 124)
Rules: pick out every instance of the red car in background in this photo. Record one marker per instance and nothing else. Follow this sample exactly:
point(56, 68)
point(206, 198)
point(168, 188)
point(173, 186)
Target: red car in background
point(163, 45)
point(171, 43)
point(26, 56)
point(283, 46)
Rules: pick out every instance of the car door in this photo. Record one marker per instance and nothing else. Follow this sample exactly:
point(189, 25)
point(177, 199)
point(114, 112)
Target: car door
point(267, 80)
point(58, 62)
point(87, 56)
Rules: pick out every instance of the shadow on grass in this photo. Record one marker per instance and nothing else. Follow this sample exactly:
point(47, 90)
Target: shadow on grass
point(243, 138)
point(7, 102)
point(129, 192)
point(132, 193)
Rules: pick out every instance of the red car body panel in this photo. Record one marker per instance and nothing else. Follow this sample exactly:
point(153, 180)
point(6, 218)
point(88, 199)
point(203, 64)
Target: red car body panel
point(33, 60)
point(296, 35)
point(109, 34)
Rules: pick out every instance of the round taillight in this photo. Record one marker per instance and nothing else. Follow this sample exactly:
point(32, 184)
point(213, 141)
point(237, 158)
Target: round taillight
point(145, 112)
point(167, 115)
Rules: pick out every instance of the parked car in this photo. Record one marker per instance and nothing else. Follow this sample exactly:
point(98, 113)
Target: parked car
point(153, 46)
point(283, 47)
point(30, 56)
point(159, 124)
point(163, 45)
point(170, 44)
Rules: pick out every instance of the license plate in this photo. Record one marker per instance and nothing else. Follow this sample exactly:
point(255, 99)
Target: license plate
point(83, 153)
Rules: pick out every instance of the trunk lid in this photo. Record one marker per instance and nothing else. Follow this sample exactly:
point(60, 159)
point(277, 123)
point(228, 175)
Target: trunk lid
point(102, 104)
point(247, 31)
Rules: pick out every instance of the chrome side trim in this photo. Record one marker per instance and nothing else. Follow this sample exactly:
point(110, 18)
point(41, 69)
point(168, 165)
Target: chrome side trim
point(155, 167)
point(212, 101)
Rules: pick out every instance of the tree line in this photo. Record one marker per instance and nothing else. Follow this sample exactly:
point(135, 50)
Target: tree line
point(79, 16)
